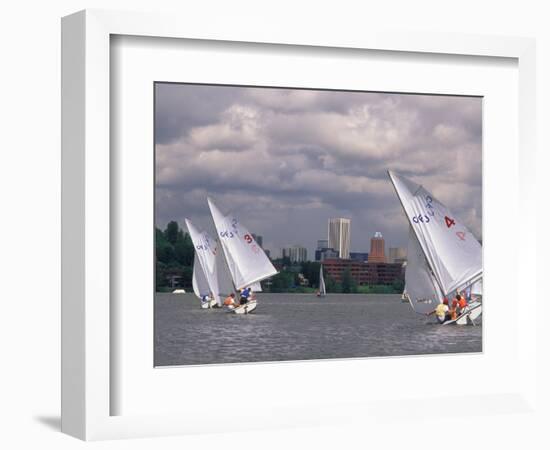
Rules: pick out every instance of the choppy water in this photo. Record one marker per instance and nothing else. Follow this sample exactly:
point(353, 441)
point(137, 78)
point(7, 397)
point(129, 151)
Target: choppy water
point(298, 327)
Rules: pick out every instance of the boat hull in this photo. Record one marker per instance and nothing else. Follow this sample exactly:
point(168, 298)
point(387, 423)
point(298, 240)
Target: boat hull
point(468, 317)
point(209, 304)
point(245, 309)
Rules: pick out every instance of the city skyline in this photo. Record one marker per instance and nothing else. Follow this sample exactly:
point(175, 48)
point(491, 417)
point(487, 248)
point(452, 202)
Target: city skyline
point(284, 161)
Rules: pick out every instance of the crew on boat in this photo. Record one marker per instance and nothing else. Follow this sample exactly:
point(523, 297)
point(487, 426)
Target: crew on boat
point(245, 294)
point(454, 308)
point(229, 301)
point(462, 303)
point(442, 311)
point(205, 299)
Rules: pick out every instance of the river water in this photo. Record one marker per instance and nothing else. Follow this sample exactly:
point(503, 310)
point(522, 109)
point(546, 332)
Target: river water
point(300, 327)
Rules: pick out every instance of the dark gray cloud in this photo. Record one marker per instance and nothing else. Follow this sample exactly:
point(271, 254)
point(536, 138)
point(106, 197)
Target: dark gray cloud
point(286, 160)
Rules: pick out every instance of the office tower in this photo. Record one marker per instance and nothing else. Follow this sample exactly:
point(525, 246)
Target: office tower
point(321, 244)
point(397, 254)
point(377, 252)
point(339, 235)
point(295, 253)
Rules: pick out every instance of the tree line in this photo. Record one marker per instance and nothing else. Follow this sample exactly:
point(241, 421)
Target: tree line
point(174, 268)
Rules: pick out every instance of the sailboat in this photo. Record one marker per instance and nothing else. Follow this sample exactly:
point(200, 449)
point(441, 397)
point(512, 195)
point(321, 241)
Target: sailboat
point(322, 288)
point(444, 257)
point(246, 261)
point(208, 281)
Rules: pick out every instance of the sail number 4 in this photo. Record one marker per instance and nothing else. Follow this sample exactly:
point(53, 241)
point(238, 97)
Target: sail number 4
point(449, 222)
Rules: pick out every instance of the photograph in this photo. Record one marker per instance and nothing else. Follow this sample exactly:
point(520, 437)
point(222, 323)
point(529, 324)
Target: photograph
point(296, 224)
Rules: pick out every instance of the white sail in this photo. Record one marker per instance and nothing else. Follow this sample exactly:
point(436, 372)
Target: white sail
point(206, 267)
point(256, 287)
point(477, 288)
point(421, 287)
point(247, 262)
point(453, 253)
point(200, 283)
point(322, 287)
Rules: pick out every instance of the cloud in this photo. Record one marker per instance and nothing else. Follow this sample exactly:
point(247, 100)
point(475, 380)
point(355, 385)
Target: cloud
point(287, 160)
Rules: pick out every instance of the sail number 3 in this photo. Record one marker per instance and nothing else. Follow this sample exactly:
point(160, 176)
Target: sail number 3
point(248, 239)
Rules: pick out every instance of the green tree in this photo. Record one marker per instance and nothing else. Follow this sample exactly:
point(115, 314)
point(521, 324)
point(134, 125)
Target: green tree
point(164, 250)
point(310, 269)
point(184, 251)
point(282, 282)
point(171, 232)
point(349, 285)
point(398, 286)
point(332, 285)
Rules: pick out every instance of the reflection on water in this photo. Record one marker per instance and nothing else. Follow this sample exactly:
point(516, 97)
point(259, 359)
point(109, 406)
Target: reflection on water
point(297, 327)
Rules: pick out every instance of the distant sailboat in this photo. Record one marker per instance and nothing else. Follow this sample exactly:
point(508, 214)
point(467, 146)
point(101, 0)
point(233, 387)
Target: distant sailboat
point(322, 288)
point(208, 281)
point(443, 255)
point(247, 262)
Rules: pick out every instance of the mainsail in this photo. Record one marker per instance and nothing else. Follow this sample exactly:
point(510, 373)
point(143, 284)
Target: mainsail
point(322, 287)
point(422, 288)
point(200, 283)
point(207, 270)
point(247, 262)
point(443, 254)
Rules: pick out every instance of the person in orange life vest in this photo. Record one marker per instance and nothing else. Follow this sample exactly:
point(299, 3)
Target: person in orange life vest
point(462, 304)
point(230, 301)
point(454, 307)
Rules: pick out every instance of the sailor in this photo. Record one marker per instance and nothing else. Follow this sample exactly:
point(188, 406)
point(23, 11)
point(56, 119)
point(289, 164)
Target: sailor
point(462, 303)
point(229, 301)
point(245, 293)
point(454, 308)
point(205, 299)
point(441, 312)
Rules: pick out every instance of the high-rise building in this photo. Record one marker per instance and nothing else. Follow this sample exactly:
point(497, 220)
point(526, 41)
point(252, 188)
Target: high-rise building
point(321, 244)
point(339, 235)
point(359, 256)
point(295, 253)
point(377, 248)
point(324, 253)
point(397, 254)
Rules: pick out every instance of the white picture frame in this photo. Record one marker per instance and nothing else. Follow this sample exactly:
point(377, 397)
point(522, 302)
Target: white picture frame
point(87, 325)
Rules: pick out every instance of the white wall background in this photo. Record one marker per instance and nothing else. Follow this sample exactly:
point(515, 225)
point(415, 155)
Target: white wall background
point(30, 202)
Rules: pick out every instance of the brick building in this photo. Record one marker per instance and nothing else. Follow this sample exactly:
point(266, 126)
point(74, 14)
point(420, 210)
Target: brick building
point(363, 273)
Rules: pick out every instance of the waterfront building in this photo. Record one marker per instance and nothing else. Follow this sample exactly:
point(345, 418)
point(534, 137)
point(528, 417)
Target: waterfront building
point(359, 256)
point(339, 236)
point(296, 253)
point(397, 254)
point(377, 248)
point(364, 273)
point(325, 253)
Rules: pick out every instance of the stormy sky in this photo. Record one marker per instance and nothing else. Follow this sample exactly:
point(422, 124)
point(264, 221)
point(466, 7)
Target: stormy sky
point(284, 160)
